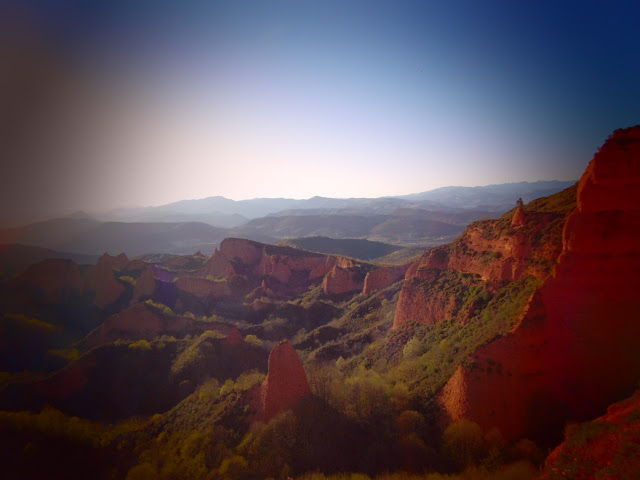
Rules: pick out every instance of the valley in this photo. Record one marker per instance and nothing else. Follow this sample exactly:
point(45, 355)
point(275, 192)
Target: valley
point(358, 339)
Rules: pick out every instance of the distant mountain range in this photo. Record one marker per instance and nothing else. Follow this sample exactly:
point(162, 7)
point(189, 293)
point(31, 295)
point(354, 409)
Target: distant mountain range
point(226, 213)
point(424, 219)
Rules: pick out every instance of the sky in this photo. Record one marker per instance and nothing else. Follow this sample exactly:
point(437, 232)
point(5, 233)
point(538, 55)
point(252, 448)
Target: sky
point(106, 104)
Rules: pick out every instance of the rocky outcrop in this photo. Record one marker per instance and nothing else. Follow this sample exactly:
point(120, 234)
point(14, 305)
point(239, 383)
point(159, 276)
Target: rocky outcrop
point(144, 322)
point(286, 384)
point(100, 278)
point(283, 266)
point(323, 268)
point(423, 302)
point(601, 448)
point(145, 285)
point(496, 251)
point(343, 280)
point(245, 257)
point(202, 288)
point(117, 263)
point(611, 182)
point(383, 277)
point(519, 219)
point(234, 337)
point(574, 351)
point(246, 251)
point(217, 266)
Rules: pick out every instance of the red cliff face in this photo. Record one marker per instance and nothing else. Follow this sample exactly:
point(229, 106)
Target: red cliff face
point(217, 266)
point(145, 285)
point(202, 288)
point(282, 267)
point(116, 263)
point(234, 337)
point(286, 383)
point(575, 348)
point(322, 268)
point(519, 219)
point(239, 256)
point(342, 280)
point(101, 279)
point(246, 251)
point(423, 300)
point(606, 452)
point(496, 251)
point(55, 279)
point(383, 277)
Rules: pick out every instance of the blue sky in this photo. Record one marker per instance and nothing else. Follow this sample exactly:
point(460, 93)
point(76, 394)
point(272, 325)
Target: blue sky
point(154, 102)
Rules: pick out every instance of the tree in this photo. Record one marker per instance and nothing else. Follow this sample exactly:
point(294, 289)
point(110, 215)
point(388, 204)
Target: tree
point(519, 203)
point(413, 348)
point(462, 442)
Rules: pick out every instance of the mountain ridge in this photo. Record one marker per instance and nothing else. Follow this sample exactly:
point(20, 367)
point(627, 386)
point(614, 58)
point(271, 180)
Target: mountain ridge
point(501, 195)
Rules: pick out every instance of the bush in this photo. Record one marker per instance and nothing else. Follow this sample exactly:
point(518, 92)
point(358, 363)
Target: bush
point(130, 280)
point(142, 471)
point(253, 340)
point(462, 442)
point(413, 348)
point(140, 345)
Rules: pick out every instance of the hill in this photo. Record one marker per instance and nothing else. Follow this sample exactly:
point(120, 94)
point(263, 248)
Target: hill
point(91, 237)
point(15, 258)
point(348, 247)
point(490, 197)
point(403, 227)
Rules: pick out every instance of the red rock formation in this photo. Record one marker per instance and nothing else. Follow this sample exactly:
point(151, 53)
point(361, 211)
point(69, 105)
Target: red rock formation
point(606, 452)
point(202, 288)
point(274, 266)
point(142, 322)
point(145, 285)
point(54, 278)
point(323, 268)
point(101, 279)
point(519, 219)
point(138, 319)
point(342, 280)
point(258, 305)
point(575, 349)
point(282, 266)
point(343, 262)
point(494, 250)
point(234, 337)
point(383, 277)
point(217, 266)
point(420, 306)
point(611, 182)
point(247, 251)
point(286, 383)
point(136, 265)
point(116, 263)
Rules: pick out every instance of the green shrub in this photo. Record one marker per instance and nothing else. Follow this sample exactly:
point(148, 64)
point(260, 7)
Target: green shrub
point(140, 345)
point(130, 280)
point(462, 442)
point(253, 340)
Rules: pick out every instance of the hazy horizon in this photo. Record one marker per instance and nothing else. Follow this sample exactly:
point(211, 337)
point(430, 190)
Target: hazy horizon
point(119, 104)
point(106, 212)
